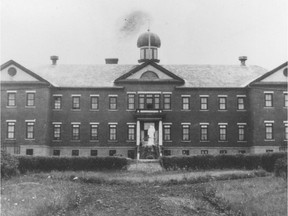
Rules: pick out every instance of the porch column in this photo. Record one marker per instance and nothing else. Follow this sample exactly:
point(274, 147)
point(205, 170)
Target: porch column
point(138, 139)
point(160, 136)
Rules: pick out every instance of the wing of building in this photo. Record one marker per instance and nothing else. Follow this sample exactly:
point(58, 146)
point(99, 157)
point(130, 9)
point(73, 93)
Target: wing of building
point(143, 110)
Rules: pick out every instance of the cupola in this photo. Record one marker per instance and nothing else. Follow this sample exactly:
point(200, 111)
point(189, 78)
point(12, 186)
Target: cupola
point(148, 43)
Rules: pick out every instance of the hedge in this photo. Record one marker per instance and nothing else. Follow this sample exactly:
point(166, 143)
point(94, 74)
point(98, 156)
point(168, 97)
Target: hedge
point(208, 162)
point(9, 165)
point(47, 164)
point(280, 168)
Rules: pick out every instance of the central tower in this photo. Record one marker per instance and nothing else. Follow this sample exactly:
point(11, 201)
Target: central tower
point(148, 43)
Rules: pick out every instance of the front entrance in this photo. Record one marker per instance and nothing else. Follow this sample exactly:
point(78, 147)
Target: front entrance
point(149, 140)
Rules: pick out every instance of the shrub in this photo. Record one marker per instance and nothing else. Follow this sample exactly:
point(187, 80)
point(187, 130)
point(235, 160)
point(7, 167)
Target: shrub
point(9, 165)
point(206, 162)
point(47, 164)
point(280, 168)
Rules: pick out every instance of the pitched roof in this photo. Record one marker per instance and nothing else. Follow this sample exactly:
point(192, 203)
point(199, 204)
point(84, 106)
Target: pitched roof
point(195, 76)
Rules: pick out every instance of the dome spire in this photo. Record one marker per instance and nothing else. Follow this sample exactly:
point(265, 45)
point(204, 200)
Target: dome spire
point(148, 43)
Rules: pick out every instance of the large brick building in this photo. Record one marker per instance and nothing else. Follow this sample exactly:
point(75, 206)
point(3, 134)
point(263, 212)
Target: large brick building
point(143, 110)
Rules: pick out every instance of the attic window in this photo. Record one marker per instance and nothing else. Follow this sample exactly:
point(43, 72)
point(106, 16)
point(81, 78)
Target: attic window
point(285, 72)
point(12, 71)
point(149, 75)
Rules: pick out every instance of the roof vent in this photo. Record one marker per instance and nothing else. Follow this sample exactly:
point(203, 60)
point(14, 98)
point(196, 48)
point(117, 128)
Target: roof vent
point(111, 60)
point(242, 60)
point(54, 59)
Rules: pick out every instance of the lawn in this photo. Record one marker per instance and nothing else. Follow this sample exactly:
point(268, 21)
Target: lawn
point(140, 193)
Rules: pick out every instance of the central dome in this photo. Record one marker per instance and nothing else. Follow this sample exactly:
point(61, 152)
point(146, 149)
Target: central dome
point(143, 40)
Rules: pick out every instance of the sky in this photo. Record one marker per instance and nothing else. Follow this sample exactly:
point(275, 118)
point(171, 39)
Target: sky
point(191, 31)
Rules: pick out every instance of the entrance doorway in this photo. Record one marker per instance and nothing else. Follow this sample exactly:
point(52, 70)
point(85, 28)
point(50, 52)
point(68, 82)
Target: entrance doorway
point(149, 140)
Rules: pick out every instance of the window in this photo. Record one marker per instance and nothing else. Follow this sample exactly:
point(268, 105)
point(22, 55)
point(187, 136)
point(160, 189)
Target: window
point(131, 154)
point(268, 99)
point(94, 102)
point(93, 152)
point(16, 149)
point(112, 103)
point(11, 99)
point(56, 131)
point(29, 130)
point(75, 102)
point(57, 102)
point(167, 132)
point(185, 103)
point(131, 101)
point(131, 132)
point(149, 101)
point(285, 99)
point(93, 131)
point(222, 103)
point(75, 152)
point(112, 131)
point(75, 131)
point(241, 132)
point(222, 132)
point(30, 99)
point(286, 132)
point(112, 152)
point(56, 152)
point(29, 151)
point(240, 103)
point(185, 152)
point(269, 150)
point(167, 152)
point(10, 130)
point(204, 132)
point(185, 132)
point(269, 131)
point(203, 103)
point(204, 152)
point(223, 151)
point(167, 102)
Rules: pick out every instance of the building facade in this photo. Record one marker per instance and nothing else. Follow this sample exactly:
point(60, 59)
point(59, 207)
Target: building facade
point(143, 110)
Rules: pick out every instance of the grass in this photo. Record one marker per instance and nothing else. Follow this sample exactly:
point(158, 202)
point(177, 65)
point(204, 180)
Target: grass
point(144, 193)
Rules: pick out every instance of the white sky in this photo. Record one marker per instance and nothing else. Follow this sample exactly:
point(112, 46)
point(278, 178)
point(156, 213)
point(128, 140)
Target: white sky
point(191, 31)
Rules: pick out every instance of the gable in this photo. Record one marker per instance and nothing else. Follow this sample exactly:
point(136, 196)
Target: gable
point(149, 72)
point(13, 72)
point(277, 75)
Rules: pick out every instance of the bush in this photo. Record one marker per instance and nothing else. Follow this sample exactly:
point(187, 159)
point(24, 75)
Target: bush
point(280, 168)
point(207, 162)
point(9, 165)
point(47, 164)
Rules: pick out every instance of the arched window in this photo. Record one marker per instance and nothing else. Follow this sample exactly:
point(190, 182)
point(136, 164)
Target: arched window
point(149, 75)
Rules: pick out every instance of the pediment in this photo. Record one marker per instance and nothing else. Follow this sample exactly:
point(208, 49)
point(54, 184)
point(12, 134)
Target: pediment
point(149, 72)
point(11, 71)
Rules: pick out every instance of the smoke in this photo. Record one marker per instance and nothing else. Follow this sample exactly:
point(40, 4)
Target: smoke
point(134, 22)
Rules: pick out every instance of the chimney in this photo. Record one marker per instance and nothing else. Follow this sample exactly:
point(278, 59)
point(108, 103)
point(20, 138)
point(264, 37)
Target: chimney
point(111, 60)
point(242, 60)
point(54, 59)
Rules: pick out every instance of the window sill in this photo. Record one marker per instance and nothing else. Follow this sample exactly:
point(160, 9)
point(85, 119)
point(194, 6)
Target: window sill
point(169, 141)
point(75, 140)
point(186, 141)
point(241, 110)
point(29, 139)
point(57, 109)
point(30, 106)
point(185, 110)
point(94, 110)
point(130, 110)
point(223, 110)
point(56, 140)
point(93, 140)
point(77, 110)
point(242, 141)
point(270, 140)
point(269, 107)
point(10, 139)
point(202, 110)
point(204, 141)
point(113, 110)
point(131, 141)
point(112, 141)
point(11, 107)
point(168, 110)
point(223, 141)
